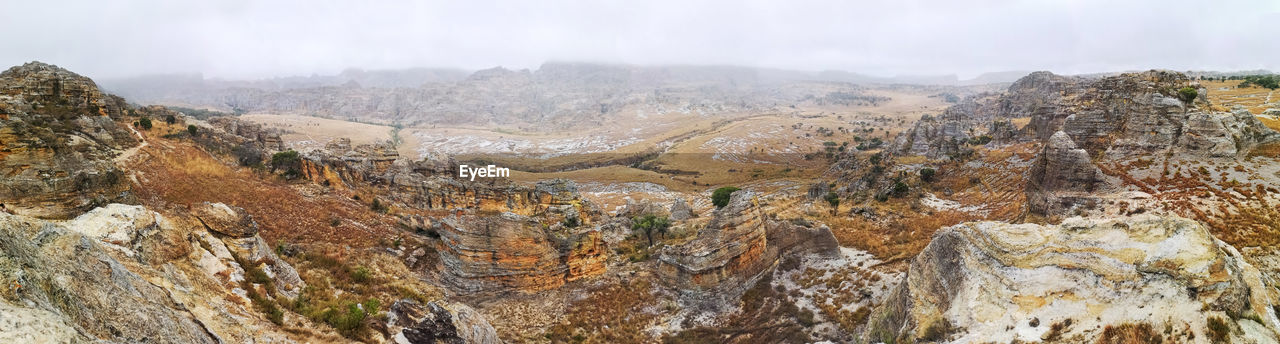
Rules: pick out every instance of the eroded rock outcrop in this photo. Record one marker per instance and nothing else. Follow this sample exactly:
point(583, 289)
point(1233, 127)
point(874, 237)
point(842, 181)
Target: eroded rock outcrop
point(124, 273)
point(992, 281)
point(58, 136)
point(1126, 115)
point(1063, 176)
point(508, 251)
point(733, 250)
point(439, 322)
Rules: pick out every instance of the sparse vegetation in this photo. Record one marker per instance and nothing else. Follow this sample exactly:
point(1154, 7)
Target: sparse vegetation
point(144, 123)
point(1130, 333)
point(926, 174)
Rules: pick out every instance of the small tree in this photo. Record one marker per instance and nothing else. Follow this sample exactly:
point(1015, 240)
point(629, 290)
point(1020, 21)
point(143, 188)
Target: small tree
point(834, 200)
point(926, 174)
point(170, 119)
point(1188, 94)
point(191, 129)
point(720, 197)
point(145, 123)
point(650, 224)
point(900, 189)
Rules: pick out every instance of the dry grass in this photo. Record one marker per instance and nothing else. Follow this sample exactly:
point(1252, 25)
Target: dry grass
point(1227, 95)
point(613, 314)
point(1130, 333)
point(304, 133)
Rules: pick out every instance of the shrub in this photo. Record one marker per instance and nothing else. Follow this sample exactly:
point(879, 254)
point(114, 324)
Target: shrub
point(1219, 330)
point(926, 174)
point(170, 119)
point(378, 206)
point(1188, 94)
point(191, 129)
point(289, 161)
point(900, 189)
point(833, 199)
point(145, 123)
point(720, 197)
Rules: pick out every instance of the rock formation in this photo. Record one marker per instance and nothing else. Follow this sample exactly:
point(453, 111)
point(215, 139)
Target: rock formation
point(681, 211)
point(454, 323)
point(736, 247)
point(1123, 116)
point(58, 136)
point(509, 252)
point(1063, 176)
point(991, 281)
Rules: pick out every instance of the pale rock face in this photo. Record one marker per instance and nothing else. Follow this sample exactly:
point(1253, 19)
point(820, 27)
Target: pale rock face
point(680, 210)
point(226, 220)
point(975, 281)
point(36, 326)
point(117, 224)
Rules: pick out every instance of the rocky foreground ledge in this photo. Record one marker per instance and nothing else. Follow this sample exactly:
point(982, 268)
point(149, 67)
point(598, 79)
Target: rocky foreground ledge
point(1083, 280)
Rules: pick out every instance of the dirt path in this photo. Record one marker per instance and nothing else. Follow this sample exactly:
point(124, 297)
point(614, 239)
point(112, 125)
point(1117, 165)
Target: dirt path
point(129, 153)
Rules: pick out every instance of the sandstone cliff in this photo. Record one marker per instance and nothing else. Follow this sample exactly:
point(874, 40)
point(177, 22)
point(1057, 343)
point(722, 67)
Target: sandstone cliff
point(507, 252)
point(737, 246)
point(58, 134)
point(991, 281)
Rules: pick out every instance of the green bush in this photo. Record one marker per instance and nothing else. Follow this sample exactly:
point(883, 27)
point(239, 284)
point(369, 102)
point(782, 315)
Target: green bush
point(720, 197)
point(900, 189)
point(926, 174)
point(1188, 94)
point(191, 129)
point(289, 161)
point(833, 199)
point(145, 123)
point(170, 119)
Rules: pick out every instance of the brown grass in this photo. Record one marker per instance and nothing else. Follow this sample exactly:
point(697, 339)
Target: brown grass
point(1130, 333)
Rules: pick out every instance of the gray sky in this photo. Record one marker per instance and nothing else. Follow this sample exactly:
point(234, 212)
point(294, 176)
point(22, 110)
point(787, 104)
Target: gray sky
point(252, 39)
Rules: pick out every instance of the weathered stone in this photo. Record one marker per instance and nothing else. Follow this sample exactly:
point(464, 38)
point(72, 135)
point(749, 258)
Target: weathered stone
point(736, 247)
point(982, 281)
point(1062, 177)
point(226, 220)
point(681, 211)
point(445, 323)
point(57, 139)
point(514, 252)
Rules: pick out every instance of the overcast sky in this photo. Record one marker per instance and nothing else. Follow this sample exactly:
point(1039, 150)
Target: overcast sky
point(252, 39)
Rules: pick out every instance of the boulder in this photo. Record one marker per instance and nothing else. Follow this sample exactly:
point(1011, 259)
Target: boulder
point(681, 211)
point(987, 281)
point(441, 322)
point(225, 220)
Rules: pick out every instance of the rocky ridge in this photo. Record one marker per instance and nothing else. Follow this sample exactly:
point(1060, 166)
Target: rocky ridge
point(58, 136)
